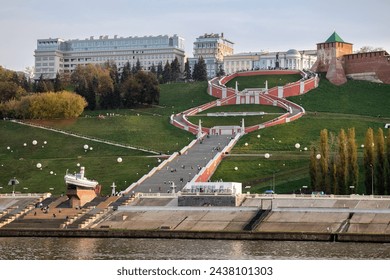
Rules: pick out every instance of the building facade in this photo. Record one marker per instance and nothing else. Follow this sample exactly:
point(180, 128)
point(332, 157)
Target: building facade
point(292, 60)
point(54, 56)
point(240, 62)
point(213, 48)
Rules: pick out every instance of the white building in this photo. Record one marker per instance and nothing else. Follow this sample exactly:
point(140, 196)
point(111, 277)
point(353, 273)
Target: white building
point(58, 55)
point(292, 59)
point(223, 188)
point(240, 62)
point(213, 48)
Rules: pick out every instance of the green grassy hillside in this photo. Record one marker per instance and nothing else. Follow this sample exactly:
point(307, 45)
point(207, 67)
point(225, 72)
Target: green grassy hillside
point(259, 81)
point(356, 104)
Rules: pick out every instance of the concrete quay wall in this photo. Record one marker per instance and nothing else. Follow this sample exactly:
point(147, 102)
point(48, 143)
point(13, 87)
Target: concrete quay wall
point(116, 233)
point(219, 235)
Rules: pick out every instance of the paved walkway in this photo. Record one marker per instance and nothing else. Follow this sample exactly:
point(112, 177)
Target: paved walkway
point(184, 167)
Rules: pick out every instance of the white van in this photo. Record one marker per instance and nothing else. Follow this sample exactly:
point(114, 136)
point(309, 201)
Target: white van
point(387, 125)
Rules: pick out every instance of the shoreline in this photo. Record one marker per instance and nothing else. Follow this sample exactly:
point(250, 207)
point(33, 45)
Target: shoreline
point(217, 235)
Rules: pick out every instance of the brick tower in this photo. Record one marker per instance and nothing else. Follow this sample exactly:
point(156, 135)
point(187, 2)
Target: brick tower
point(330, 58)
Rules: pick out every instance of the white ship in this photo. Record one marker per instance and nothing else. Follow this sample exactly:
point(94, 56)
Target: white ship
point(79, 180)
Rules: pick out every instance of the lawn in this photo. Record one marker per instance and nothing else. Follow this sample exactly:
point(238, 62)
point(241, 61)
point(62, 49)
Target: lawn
point(142, 127)
point(356, 104)
point(60, 153)
point(354, 97)
point(259, 81)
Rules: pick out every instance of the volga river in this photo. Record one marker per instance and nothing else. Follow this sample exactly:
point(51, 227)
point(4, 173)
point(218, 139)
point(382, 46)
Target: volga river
point(155, 249)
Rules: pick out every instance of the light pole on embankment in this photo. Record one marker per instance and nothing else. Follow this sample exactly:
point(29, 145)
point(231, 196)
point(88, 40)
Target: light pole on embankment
point(13, 182)
point(372, 179)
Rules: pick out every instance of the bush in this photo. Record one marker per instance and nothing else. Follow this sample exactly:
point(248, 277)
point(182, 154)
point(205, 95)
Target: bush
point(47, 105)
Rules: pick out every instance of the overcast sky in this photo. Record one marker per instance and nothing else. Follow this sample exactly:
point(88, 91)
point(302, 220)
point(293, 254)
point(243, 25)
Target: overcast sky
point(253, 25)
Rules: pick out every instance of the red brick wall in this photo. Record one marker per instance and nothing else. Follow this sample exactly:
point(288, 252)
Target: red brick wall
point(326, 51)
point(378, 62)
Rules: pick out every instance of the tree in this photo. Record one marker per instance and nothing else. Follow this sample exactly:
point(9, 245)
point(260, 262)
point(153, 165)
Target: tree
point(313, 169)
point(130, 92)
point(105, 91)
point(41, 85)
point(167, 73)
point(342, 164)
point(200, 70)
point(380, 163)
point(187, 70)
point(126, 72)
point(365, 49)
point(140, 88)
point(324, 181)
point(353, 166)
point(58, 83)
point(149, 90)
point(138, 66)
point(47, 105)
point(159, 71)
point(153, 69)
point(368, 161)
point(175, 70)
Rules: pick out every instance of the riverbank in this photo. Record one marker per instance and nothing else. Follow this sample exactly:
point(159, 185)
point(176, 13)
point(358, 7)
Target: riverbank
point(166, 234)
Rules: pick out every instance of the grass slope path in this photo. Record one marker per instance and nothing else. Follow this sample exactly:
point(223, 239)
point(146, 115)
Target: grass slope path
point(86, 137)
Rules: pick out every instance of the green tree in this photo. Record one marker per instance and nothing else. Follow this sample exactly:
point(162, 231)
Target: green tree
point(138, 66)
point(313, 168)
point(200, 70)
point(159, 72)
point(187, 70)
point(380, 163)
point(353, 166)
point(369, 161)
point(153, 69)
point(130, 91)
point(58, 83)
point(41, 85)
point(175, 70)
point(126, 72)
point(167, 73)
point(342, 164)
point(324, 181)
point(149, 89)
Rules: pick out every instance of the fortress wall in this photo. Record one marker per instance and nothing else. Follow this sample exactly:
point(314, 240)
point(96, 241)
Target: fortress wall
point(377, 62)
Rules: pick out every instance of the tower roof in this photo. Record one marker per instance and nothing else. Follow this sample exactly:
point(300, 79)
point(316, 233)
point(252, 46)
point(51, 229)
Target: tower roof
point(334, 38)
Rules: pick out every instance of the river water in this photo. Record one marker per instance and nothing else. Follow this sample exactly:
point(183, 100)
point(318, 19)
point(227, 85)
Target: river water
point(180, 249)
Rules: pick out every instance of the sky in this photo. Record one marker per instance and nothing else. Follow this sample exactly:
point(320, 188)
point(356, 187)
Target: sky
point(253, 25)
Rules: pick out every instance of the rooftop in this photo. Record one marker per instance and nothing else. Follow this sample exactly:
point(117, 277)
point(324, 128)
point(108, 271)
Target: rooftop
point(334, 38)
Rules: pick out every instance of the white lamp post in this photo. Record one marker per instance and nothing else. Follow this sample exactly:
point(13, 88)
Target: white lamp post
point(13, 182)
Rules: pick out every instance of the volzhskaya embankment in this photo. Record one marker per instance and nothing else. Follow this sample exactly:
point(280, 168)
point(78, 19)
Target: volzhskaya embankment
point(259, 217)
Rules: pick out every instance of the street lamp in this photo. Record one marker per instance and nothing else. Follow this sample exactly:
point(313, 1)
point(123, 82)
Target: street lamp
point(13, 182)
point(372, 179)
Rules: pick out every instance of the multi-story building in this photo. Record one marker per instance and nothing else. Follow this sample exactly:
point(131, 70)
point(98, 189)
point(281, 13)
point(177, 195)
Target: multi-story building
point(54, 56)
point(240, 62)
point(213, 48)
point(292, 59)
